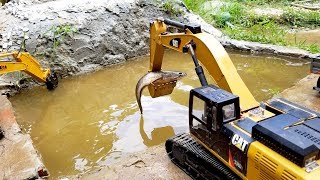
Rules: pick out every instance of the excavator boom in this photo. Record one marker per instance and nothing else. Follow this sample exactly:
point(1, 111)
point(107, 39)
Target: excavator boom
point(26, 63)
point(209, 52)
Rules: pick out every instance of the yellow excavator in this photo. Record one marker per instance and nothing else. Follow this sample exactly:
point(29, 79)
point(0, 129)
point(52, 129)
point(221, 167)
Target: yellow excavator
point(232, 136)
point(23, 61)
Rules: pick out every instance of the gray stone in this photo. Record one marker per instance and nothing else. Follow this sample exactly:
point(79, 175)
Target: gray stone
point(113, 59)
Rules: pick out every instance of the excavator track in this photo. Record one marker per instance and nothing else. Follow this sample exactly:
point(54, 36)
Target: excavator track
point(195, 160)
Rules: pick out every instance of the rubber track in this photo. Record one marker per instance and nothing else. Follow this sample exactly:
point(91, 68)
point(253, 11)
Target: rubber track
point(195, 170)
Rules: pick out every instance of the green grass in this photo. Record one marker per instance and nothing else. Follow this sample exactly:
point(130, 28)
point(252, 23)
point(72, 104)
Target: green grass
point(265, 2)
point(58, 33)
point(313, 48)
point(194, 4)
point(170, 8)
point(236, 19)
point(274, 91)
point(267, 32)
point(296, 18)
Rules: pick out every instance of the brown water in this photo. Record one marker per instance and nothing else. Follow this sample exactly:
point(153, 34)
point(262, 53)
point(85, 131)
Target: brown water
point(306, 37)
point(92, 120)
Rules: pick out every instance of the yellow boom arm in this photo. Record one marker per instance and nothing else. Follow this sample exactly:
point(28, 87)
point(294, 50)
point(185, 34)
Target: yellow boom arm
point(209, 52)
point(25, 62)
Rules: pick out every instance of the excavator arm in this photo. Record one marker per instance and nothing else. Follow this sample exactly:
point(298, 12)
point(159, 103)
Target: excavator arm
point(209, 51)
point(26, 63)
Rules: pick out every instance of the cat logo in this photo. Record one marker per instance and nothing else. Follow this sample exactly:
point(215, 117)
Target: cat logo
point(239, 142)
point(3, 67)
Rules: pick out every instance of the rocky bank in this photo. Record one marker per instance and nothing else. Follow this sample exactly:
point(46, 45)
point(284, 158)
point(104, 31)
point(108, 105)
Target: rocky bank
point(92, 34)
point(80, 36)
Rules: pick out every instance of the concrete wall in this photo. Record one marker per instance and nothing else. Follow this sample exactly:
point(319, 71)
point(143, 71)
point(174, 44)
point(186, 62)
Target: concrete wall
point(18, 157)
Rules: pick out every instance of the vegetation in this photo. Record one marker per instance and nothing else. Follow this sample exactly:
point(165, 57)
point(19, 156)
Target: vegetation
point(301, 18)
point(170, 8)
point(58, 33)
point(274, 91)
point(237, 19)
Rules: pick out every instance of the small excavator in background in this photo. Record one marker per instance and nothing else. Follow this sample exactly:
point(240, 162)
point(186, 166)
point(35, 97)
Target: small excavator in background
point(23, 61)
point(232, 136)
point(315, 68)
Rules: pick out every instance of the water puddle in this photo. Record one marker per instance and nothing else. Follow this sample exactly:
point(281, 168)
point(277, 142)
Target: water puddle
point(93, 120)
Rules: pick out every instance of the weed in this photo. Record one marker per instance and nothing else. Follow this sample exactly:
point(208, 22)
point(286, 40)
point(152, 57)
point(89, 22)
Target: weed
point(60, 32)
point(264, 2)
point(263, 32)
point(237, 21)
point(313, 48)
point(227, 14)
point(274, 91)
point(170, 8)
point(194, 5)
point(301, 18)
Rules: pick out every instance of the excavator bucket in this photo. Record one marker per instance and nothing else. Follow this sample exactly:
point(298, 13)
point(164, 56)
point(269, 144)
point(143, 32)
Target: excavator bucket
point(157, 89)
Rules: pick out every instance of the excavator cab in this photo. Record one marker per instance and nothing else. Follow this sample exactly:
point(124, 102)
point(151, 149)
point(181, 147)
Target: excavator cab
point(210, 107)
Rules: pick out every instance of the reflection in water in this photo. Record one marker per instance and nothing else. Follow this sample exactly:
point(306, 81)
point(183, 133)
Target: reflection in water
point(158, 135)
point(93, 120)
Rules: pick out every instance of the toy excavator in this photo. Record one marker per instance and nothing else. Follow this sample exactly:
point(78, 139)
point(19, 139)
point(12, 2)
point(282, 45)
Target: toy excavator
point(25, 62)
point(315, 68)
point(232, 136)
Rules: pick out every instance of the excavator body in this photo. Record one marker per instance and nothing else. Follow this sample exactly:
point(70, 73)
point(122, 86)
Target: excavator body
point(232, 136)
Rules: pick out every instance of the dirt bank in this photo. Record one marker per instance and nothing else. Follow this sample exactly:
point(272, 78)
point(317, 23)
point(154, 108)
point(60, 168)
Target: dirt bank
point(73, 37)
point(81, 36)
point(19, 159)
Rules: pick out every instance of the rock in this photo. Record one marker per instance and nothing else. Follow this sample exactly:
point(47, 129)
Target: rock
point(113, 59)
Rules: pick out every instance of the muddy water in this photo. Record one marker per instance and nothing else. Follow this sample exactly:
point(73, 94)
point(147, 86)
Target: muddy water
point(306, 37)
point(93, 120)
